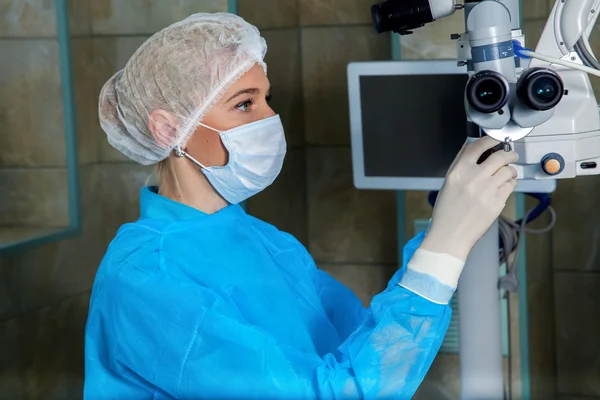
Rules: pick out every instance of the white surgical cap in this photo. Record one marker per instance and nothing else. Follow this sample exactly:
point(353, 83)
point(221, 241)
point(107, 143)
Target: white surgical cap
point(184, 70)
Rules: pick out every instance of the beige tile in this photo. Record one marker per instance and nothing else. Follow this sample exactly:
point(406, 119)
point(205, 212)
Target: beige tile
point(50, 273)
point(332, 12)
point(110, 55)
point(45, 275)
point(417, 207)
point(36, 18)
point(41, 353)
point(86, 100)
point(346, 224)
point(52, 349)
point(30, 91)
point(364, 280)
point(533, 31)
point(514, 342)
point(284, 71)
point(577, 227)
point(278, 13)
point(540, 290)
point(326, 53)
point(119, 188)
point(284, 203)
point(535, 9)
point(577, 332)
point(9, 291)
point(10, 299)
point(442, 382)
point(11, 378)
point(433, 40)
point(31, 104)
point(595, 45)
point(10, 235)
point(145, 16)
point(34, 197)
point(510, 209)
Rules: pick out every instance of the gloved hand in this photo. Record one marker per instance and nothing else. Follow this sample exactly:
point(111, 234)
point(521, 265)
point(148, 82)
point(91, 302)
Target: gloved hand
point(472, 197)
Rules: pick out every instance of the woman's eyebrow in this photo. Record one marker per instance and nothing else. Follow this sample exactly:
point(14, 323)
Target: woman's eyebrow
point(243, 91)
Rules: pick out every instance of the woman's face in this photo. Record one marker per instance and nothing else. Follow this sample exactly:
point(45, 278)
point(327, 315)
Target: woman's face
point(243, 103)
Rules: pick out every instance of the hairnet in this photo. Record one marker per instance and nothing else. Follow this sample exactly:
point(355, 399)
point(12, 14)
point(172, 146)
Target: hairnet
point(184, 70)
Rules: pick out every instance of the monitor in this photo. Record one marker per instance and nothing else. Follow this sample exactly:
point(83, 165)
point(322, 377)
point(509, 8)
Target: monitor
point(408, 122)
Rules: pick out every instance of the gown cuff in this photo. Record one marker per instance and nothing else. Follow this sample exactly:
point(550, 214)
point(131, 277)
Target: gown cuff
point(433, 276)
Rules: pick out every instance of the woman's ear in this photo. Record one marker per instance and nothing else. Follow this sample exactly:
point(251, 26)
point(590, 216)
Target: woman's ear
point(163, 127)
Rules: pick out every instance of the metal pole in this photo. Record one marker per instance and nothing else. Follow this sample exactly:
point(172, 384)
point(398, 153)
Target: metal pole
point(481, 365)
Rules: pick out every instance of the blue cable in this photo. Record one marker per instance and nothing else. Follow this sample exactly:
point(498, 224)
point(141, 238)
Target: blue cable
point(543, 198)
point(518, 49)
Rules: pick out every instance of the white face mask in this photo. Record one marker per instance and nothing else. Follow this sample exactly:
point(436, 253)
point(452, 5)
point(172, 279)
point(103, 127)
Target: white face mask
point(256, 153)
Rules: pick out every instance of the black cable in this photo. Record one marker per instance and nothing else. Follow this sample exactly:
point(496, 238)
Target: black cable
point(511, 234)
point(587, 57)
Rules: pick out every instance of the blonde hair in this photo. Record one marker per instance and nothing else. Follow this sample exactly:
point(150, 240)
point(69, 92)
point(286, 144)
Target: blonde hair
point(163, 176)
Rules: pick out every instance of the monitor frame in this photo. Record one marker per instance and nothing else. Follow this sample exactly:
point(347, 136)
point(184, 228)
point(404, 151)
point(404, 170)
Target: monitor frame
point(421, 67)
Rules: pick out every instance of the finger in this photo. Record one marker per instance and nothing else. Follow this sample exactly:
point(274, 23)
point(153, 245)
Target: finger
point(498, 160)
point(476, 149)
point(504, 175)
point(507, 189)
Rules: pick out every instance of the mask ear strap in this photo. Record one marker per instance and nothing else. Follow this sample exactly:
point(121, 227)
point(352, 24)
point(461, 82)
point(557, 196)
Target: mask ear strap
point(208, 127)
point(179, 152)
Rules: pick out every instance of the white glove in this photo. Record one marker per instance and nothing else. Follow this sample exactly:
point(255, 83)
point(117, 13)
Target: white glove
point(472, 198)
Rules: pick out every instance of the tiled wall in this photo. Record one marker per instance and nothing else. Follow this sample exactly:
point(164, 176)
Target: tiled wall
point(576, 263)
point(432, 42)
point(562, 267)
point(44, 293)
point(350, 233)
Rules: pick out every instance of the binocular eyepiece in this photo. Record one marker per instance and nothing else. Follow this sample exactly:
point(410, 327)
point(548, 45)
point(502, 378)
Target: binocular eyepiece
point(539, 89)
point(488, 91)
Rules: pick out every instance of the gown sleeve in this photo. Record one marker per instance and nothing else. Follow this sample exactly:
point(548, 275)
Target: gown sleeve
point(201, 348)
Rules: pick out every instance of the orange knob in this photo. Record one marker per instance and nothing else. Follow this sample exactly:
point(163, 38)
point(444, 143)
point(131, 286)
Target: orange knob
point(553, 164)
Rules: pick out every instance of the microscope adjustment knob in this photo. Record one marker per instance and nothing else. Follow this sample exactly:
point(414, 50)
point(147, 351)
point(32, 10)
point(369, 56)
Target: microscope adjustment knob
point(553, 164)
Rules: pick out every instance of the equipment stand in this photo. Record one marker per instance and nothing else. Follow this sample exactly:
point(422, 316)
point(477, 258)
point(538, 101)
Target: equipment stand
point(481, 364)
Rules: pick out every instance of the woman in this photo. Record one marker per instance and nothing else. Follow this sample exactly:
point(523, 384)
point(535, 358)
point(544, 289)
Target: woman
point(199, 300)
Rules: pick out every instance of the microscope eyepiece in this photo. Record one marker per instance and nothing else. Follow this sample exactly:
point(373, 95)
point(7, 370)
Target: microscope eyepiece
point(487, 91)
point(540, 89)
point(401, 16)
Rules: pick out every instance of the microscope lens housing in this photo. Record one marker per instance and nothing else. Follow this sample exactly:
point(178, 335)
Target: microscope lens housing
point(540, 89)
point(401, 16)
point(487, 91)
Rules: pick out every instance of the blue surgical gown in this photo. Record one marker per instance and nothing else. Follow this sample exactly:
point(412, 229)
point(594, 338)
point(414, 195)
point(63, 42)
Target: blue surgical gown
point(188, 305)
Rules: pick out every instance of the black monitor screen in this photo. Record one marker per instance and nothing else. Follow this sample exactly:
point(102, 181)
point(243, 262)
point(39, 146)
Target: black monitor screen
point(412, 125)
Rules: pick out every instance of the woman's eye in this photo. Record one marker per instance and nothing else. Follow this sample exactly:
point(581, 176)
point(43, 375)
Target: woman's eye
point(245, 106)
point(269, 97)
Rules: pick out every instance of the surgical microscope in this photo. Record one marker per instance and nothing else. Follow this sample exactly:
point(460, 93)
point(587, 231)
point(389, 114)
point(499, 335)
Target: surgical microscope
point(540, 103)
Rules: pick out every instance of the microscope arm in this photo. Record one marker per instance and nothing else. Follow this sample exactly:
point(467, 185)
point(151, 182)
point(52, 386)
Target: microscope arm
point(573, 19)
point(569, 21)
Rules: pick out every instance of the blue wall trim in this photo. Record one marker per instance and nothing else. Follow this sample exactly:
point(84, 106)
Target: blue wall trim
point(395, 46)
point(70, 123)
point(232, 6)
point(523, 308)
point(70, 112)
point(400, 224)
